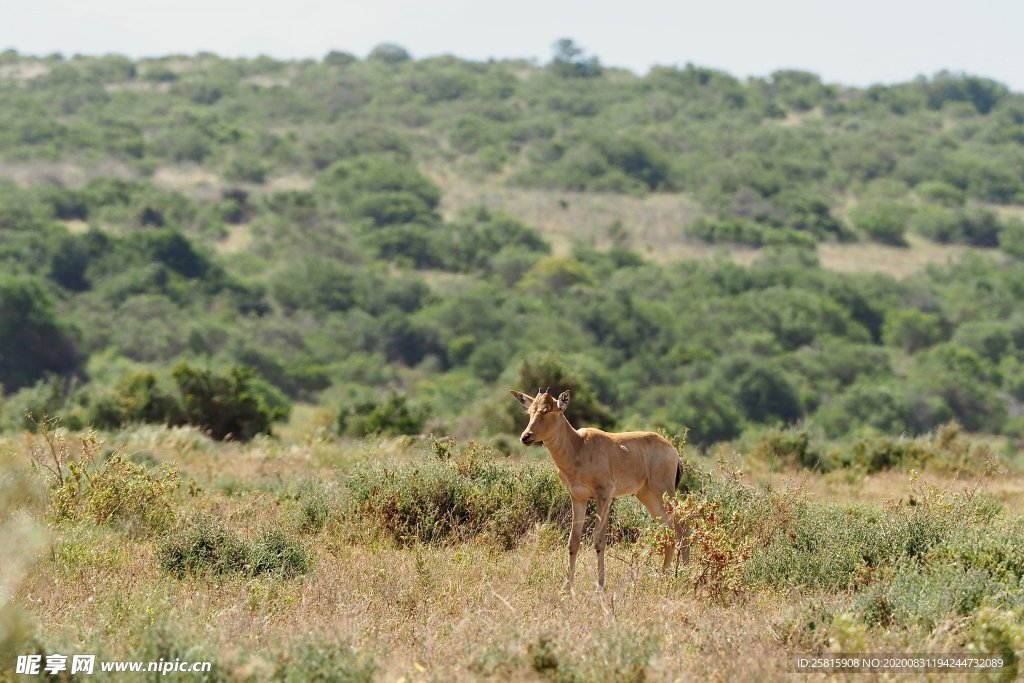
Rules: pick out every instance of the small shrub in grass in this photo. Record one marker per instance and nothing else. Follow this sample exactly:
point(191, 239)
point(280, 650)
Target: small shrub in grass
point(274, 552)
point(795, 541)
point(462, 494)
point(807, 630)
point(999, 632)
point(319, 660)
point(137, 398)
point(170, 641)
point(316, 511)
point(718, 552)
point(110, 490)
point(550, 664)
point(925, 595)
point(314, 505)
point(877, 453)
point(203, 545)
point(451, 500)
point(946, 449)
point(395, 416)
point(790, 447)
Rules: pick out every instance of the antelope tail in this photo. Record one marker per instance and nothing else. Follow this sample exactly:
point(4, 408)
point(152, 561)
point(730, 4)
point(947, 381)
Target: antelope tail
point(679, 473)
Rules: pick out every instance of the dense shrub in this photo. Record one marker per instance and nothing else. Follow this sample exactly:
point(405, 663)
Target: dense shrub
point(911, 329)
point(137, 398)
point(34, 340)
point(884, 222)
point(459, 494)
point(881, 406)
point(710, 415)
point(974, 226)
point(393, 416)
point(455, 499)
point(789, 447)
point(233, 404)
point(203, 545)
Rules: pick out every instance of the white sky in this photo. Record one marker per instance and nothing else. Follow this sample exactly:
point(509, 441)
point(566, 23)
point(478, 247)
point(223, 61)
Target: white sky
point(854, 42)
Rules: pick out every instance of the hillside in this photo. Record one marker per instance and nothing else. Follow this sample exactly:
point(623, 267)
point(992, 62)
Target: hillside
point(407, 239)
point(275, 308)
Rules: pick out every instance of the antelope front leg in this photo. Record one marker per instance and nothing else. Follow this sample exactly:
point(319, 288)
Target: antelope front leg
point(604, 509)
point(579, 513)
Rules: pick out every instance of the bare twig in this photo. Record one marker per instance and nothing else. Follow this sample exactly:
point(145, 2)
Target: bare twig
point(47, 430)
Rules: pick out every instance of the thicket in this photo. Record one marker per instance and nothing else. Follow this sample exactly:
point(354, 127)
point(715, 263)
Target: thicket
point(357, 285)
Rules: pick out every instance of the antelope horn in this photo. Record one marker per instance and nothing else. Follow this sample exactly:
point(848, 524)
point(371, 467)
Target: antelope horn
point(548, 390)
point(539, 392)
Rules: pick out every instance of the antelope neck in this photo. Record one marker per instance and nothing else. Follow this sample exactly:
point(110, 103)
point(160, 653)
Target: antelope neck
point(564, 446)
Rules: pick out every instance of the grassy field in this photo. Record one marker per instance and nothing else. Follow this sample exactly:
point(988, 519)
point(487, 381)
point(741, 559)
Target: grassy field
point(309, 558)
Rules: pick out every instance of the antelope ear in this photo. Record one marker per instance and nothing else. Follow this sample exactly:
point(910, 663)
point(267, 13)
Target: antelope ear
point(563, 399)
point(527, 401)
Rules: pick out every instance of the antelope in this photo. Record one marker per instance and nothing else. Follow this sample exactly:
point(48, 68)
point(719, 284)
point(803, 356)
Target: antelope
point(600, 466)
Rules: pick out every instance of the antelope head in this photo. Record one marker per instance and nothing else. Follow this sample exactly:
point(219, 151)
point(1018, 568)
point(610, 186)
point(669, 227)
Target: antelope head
point(545, 414)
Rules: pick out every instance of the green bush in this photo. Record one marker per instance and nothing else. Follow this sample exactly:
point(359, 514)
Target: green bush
point(233, 404)
point(34, 340)
point(790, 447)
point(137, 398)
point(105, 490)
point(941, 193)
point(321, 660)
point(1011, 239)
point(884, 222)
point(456, 499)
point(974, 226)
point(912, 330)
point(203, 545)
point(389, 53)
point(872, 404)
point(48, 397)
point(393, 417)
point(313, 505)
point(462, 494)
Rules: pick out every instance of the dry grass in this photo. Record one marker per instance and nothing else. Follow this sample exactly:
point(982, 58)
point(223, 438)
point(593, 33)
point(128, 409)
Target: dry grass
point(459, 612)
point(23, 71)
point(194, 180)
point(653, 225)
point(290, 181)
point(238, 239)
point(63, 173)
point(899, 262)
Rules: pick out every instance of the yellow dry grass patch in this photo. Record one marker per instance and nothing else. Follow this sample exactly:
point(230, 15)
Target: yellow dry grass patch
point(63, 173)
point(287, 182)
point(653, 225)
point(23, 71)
point(194, 180)
point(899, 262)
point(238, 238)
point(650, 224)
